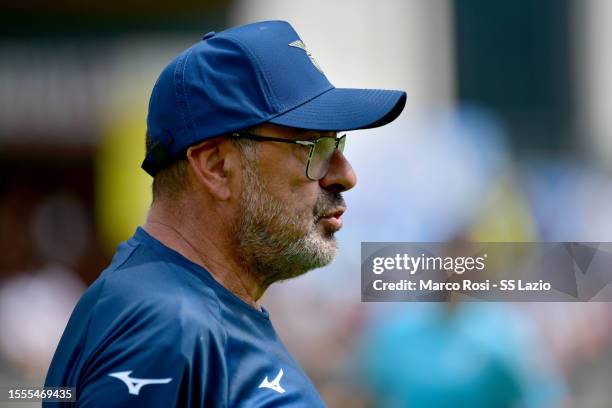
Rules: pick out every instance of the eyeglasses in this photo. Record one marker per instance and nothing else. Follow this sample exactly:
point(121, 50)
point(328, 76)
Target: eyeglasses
point(320, 151)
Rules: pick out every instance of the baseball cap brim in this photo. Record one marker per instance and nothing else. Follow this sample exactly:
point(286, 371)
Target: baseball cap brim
point(340, 109)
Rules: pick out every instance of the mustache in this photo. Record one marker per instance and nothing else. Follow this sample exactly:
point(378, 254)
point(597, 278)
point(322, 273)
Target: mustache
point(327, 202)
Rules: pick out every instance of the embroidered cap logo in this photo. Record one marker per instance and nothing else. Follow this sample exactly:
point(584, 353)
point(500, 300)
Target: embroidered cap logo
point(301, 45)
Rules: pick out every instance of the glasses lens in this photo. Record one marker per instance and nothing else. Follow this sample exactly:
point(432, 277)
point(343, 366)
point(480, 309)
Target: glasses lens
point(321, 157)
point(341, 143)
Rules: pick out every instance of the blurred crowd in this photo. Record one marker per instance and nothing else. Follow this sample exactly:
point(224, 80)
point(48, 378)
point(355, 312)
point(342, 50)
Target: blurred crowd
point(72, 123)
point(457, 179)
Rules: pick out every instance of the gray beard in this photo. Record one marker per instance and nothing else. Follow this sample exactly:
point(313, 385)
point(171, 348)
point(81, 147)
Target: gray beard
point(275, 243)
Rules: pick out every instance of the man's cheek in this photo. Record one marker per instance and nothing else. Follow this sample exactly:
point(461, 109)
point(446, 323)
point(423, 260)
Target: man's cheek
point(305, 215)
point(302, 214)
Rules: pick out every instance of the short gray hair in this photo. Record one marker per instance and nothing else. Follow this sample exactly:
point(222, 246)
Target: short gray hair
point(171, 180)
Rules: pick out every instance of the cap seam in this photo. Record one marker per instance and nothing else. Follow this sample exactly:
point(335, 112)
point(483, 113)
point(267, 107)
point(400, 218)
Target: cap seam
point(179, 90)
point(300, 104)
point(275, 101)
point(194, 128)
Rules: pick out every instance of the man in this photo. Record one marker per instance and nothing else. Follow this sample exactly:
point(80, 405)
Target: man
point(248, 172)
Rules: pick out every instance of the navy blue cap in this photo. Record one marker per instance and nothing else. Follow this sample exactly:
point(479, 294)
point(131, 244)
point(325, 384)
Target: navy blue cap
point(246, 76)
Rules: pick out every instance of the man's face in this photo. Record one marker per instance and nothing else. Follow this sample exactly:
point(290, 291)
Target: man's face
point(286, 222)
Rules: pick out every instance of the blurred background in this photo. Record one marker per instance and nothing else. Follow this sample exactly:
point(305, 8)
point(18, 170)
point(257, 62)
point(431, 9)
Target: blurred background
point(505, 137)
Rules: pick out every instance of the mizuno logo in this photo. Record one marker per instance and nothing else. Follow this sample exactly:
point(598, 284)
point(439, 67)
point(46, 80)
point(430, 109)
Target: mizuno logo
point(275, 384)
point(301, 45)
point(135, 384)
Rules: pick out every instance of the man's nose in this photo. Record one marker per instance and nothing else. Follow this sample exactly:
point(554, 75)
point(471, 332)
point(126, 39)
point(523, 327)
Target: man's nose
point(340, 176)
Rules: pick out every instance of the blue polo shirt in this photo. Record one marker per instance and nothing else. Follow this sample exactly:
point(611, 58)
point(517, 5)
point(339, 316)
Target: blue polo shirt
point(156, 330)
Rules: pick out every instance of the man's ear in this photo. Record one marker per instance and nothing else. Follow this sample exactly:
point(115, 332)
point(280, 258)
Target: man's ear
point(213, 163)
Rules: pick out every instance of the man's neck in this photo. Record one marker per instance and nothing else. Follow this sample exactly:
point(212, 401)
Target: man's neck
point(210, 250)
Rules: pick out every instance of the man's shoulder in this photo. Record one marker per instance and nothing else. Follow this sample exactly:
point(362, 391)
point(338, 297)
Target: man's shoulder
point(142, 284)
point(140, 312)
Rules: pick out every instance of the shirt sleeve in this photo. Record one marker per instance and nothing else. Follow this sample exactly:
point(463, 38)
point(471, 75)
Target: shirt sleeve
point(158, 357)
